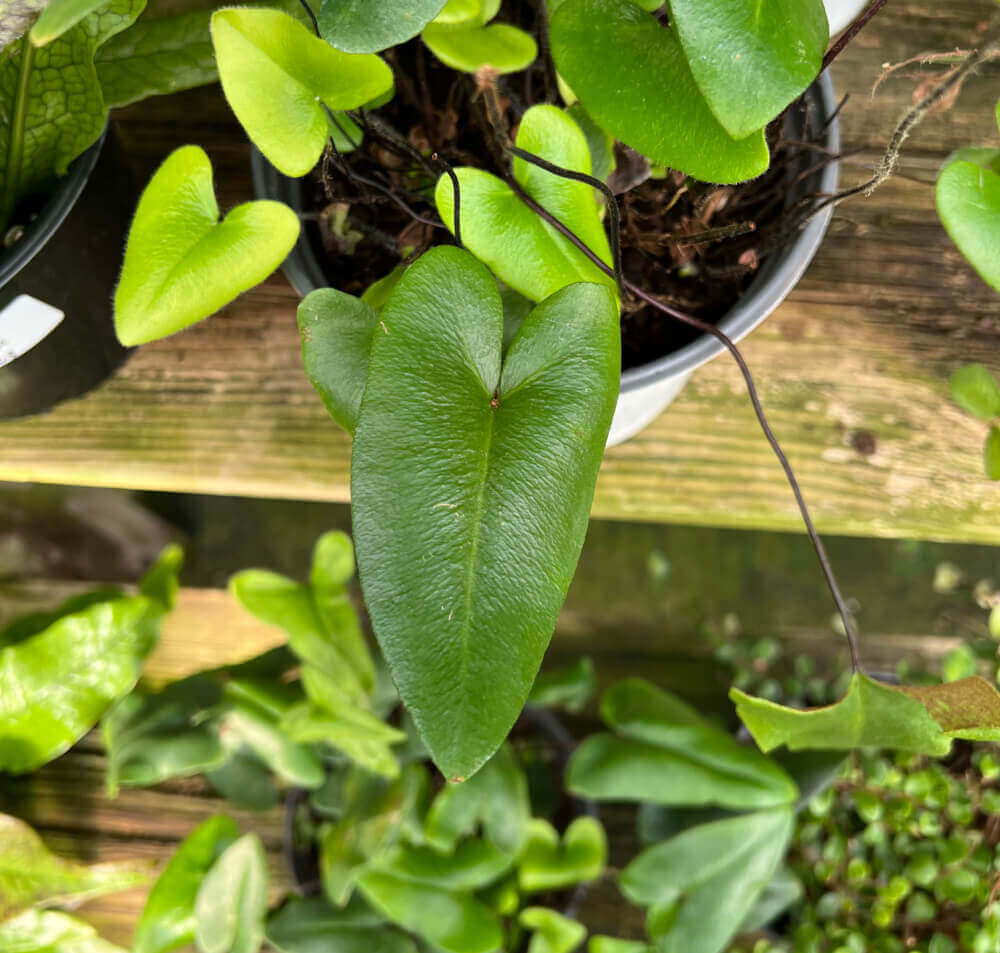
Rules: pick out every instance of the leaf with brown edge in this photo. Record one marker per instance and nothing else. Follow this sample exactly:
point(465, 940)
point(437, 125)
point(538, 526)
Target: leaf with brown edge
point(968, 708)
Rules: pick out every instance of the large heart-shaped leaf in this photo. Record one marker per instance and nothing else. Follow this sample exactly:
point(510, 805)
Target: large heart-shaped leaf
point(31, 875)
point(968, 201)
point(314, 926)
point(367, 26)
point(55, 685)
point(471, 486)
point(551, 864)
point(277, 77)
point(713, 873)
point(168, 919)
point(231, 903)
point(918, 718)
point(181, 263)
point(751, 60)
point(643, 91)
point(498, 46)
point(521, 248)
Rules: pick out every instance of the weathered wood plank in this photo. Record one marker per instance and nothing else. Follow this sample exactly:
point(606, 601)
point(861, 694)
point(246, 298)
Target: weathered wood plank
point(857, 357)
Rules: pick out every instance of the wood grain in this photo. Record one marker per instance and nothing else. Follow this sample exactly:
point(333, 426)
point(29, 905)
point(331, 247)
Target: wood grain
point(852, 368)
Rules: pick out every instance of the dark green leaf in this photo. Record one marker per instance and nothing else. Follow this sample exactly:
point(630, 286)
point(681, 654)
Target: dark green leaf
point(232, 900)
point(550, 864)
point(570, 687)
point(367, 26)
point(975, 389)
point(168, 918)
point(452, 503)
point(313, 926)
point(245, 780)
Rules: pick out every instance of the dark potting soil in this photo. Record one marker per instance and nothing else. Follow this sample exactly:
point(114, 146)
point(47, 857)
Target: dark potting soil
point(361, 230)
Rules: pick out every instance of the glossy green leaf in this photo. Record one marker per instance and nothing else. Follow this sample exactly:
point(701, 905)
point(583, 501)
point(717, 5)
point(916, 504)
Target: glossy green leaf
point(750, 60)
point(549, 863)
point(367, 26)
point(231, 904)
point(290, 761)
point(181, 263)
point(715, 871)
point(908, 718)
point(455, 922)
point(461, 14)
point(45, 931)
point(991, 454)
point(496, 798)
point(521, 248)
point(314, 926)
point(968, 202)
point(16, 18)
point(336, 330)
point(52, 104)
point(25, 626)
point(975, 389)
point(551, 931)
point(55, 685)
point(60, 16)
point(499, 46)
point(277, 77)
point(168, 918)
point(31, 875)
point(454, 506)
point(570, 687)
point(473, 864)
point(644, 92)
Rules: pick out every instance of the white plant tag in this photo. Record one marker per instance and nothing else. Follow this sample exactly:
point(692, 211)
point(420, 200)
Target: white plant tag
point(25, 322)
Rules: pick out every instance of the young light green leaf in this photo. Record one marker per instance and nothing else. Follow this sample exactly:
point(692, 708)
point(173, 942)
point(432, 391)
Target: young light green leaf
point(968, 202)
point(60, 16)
point(168, 918)
point(751, 60)
point(520, 247)
point(975, 389)
point(570, 687)
point(45, 931)
point(462, 14)
point(551, 931)
point(644, 92)
point(499, 46)
point(455, 922)
point(314, 926)
point(55, 685)
point(231, 904)
point(32, 876)
point(914, 718)
point(717, 871)
point(181, 263)
point(368, 26)
point(991, 454)
point(550, 864)
point(277, 77)
point(501, 535)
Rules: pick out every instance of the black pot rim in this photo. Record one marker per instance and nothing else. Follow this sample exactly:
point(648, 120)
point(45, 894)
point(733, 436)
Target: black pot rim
point(779, 274)
point(54, 212)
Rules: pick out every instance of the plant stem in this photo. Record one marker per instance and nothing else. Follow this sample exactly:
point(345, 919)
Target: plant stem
point(15, 135)
point(852, 31)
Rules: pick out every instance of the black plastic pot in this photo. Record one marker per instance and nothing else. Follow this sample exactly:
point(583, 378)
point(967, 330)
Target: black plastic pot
point(57, 336)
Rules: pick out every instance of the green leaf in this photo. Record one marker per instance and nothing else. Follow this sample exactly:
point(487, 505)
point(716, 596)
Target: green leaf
point(550, 864)
point(45, 931)
point(181, 263)
point(452, 504)
point(975, 389)
point(644, 92)
point(750, 60)
point(168, 918)
point(52, 103)
point(991, 454)
point(784, 890)
point(367, 26)
point(336, 330)
point(31, 624)
point(968, 202)
point(232, 900)
point(60, 16)
point(473, 864)
point(521, 248)
point(31, 875)
point(608, 944)
point(914, 718)
point(714, 872)
point(161, 583)
point(16, 17)
point(245, 780)
point(495, 797)
point(462, 14)
point(600, 143)
point(499, 46)
point(313, 926)
point(570, 687)
point(55, 685)
point(551, 931)
point(457, 923)
point(277, 77)
point(292, 762)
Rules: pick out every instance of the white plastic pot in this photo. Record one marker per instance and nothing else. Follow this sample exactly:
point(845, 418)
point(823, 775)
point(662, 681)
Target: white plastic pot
point(842, 13)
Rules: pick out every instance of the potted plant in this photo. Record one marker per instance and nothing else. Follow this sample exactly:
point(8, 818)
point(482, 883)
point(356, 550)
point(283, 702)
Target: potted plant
point(479, 420)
